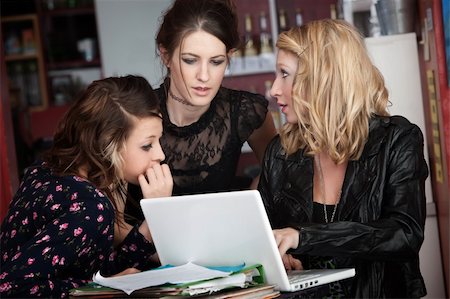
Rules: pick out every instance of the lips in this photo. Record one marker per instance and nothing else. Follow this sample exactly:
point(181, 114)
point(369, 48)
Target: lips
point(201, 91)
point(201, 88)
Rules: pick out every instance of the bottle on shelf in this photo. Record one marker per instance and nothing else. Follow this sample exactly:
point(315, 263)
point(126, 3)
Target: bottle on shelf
point(264, 35)
point(266, 55)
point(17, 82)
point(32, 83)
point(27, 82)
point(374, 24)
point(298, 17)
point(28, 41)
point(12, 44)
point(333, 13)
point(250, 51)
point(283, 24)
point(250, 47)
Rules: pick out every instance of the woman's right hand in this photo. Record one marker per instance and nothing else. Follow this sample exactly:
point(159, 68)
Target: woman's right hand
point(291, 263)
point(286, 239)
point(157, 181)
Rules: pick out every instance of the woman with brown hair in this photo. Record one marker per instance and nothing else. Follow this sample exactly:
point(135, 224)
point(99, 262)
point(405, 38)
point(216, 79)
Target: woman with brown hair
point(66, 221)
point(205, 124)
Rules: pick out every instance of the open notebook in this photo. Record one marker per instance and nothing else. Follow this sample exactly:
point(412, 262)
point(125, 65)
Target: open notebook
point(224, 229)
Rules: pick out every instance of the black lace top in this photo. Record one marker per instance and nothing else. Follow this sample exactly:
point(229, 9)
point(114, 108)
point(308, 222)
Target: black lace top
point(203, 156)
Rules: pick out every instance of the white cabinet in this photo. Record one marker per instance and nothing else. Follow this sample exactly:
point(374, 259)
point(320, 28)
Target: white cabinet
point(397, 58)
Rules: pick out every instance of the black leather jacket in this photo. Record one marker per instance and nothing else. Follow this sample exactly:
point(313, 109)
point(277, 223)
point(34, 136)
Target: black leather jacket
point(379, 224)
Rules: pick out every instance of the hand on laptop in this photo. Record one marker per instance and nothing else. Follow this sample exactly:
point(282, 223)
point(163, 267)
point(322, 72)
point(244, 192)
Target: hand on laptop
point(156, 182)
point(286, 239)
point(291, 263)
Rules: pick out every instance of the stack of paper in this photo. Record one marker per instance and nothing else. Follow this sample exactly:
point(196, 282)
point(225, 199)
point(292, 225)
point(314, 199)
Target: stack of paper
point(185, 280)
point(187, 273)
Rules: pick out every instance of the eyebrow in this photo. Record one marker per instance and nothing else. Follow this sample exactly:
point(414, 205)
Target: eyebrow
point(150, 137)
point(283, 65)
point(154, 136)
point(195, 55)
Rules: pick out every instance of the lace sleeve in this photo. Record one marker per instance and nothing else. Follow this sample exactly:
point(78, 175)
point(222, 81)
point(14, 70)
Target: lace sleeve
point(252, 112)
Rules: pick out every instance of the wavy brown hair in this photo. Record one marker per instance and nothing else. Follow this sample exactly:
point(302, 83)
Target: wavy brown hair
point(335, 92)
point(94, 130)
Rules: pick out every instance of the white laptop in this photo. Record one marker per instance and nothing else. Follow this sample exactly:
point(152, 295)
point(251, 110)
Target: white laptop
point(225, 229)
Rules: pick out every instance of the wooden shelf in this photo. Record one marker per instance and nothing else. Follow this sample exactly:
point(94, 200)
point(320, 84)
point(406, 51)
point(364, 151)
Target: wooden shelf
point(73, 64)
point(17, 57)
point(37, 98)
point(18, 18)
point(67, 29)
point(69, 11)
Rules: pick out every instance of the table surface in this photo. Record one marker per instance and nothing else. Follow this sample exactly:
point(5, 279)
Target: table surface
point(308, 293)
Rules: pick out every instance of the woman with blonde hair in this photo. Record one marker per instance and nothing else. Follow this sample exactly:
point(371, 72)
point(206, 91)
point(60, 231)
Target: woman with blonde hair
point(344, 182)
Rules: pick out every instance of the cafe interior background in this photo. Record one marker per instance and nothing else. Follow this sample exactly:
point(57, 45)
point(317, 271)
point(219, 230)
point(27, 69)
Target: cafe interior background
point(51, 49)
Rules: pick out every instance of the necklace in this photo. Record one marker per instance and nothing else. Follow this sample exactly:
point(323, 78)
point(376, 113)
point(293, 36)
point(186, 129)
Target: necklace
point(178, 99)
point(322, 191)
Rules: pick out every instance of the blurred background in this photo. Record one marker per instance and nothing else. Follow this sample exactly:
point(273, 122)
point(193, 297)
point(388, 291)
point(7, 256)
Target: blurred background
point(51, 49)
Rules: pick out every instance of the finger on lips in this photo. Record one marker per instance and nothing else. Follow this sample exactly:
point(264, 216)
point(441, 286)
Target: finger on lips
point(151, 174)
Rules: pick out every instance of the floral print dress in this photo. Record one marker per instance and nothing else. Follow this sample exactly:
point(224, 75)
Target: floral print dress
point(58, 232)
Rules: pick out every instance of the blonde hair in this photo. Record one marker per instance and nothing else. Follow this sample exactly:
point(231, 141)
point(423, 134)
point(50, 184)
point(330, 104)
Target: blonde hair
point(335, 92)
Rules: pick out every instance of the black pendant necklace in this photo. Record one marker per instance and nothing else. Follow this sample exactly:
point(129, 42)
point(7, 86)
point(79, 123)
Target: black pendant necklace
point(322, 190)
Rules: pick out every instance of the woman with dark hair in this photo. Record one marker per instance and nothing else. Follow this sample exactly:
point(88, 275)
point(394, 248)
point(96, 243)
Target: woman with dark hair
point(66, 220)
point(205, 124)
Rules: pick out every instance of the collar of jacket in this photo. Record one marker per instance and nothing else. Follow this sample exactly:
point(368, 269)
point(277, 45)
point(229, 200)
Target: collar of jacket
point(358, 176)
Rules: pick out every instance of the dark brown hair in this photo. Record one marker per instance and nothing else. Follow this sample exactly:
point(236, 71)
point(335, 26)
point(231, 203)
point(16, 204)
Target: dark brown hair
point(94, 130)
point(217, 17)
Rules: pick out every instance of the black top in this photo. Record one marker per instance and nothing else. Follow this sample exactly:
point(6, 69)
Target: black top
point(379, 224)
point(318, 215)
point(203, 156)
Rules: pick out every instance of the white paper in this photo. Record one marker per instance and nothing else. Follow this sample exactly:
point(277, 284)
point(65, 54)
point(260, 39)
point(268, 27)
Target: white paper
point(211, 286)
point(181, 274)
